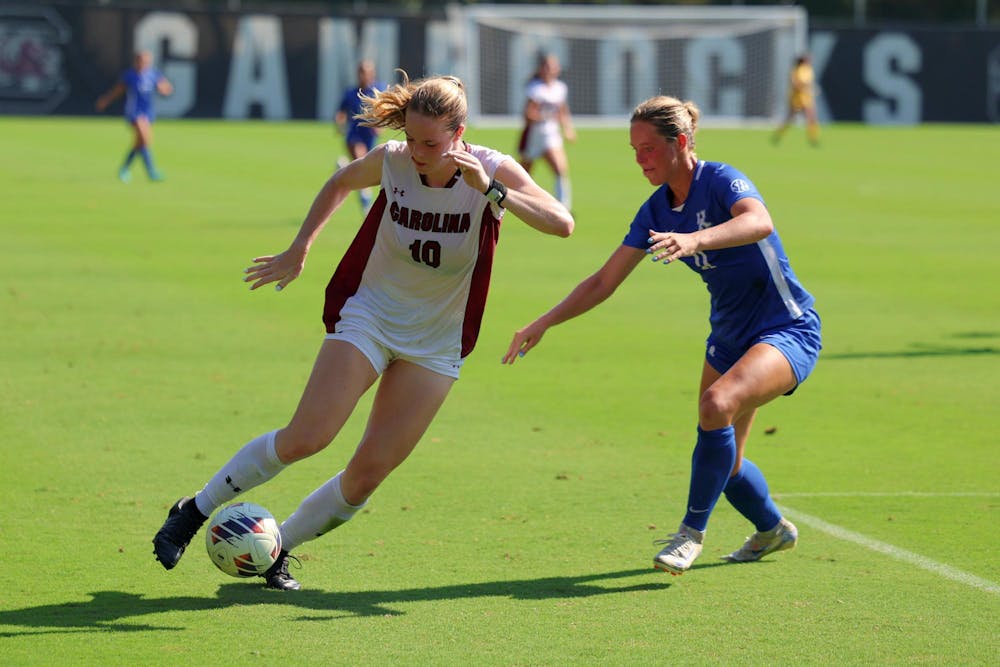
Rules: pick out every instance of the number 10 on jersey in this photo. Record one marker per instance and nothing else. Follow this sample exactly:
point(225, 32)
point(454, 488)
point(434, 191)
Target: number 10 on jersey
point(428, 252)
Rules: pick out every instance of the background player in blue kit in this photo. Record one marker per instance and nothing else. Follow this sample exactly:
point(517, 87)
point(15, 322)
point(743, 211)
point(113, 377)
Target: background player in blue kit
point(765, 335)
point(359, 138)
point(139, 85)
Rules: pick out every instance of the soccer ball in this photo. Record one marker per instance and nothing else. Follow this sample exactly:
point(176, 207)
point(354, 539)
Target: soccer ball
point(243, 540)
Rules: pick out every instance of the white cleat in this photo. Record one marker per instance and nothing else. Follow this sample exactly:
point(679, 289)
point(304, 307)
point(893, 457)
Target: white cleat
point(783, 536)
point(681, 549)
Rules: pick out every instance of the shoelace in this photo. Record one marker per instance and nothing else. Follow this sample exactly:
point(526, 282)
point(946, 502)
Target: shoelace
point(759, 540)
point(283, 568)
point(681, 541)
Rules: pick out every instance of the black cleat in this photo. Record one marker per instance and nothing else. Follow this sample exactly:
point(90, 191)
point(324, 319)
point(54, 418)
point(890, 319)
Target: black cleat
point(277, 576)
point(183, 521)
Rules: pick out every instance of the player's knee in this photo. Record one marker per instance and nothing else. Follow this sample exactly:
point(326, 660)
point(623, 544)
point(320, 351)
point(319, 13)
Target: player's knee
point(716, 409)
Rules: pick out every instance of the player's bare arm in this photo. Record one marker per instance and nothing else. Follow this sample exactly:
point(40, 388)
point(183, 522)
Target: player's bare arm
point(525, 199)
point(285, 267)
point(107, 98)
point(532, 111)
point(566, 120)
point(589, 293)
point(532, 204)
point(750, 223)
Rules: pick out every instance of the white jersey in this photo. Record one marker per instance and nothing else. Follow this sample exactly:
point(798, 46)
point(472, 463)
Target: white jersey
point(545, 133)
point(417, 273)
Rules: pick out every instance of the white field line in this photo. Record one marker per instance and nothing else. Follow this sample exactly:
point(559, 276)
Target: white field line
point(932, 566)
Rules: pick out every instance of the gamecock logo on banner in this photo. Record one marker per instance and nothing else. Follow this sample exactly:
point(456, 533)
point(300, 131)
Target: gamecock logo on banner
point(31, 60)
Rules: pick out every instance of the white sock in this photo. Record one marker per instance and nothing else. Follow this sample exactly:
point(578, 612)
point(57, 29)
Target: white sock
point(322, 511)
point(253, 465)
point(564, 192)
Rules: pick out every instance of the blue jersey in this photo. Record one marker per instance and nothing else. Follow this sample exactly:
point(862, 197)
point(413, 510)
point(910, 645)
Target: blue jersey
point(752, 287)
point(351, 105)
point(140, 87)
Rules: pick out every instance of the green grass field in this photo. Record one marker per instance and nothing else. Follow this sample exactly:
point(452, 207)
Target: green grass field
point(135, 362)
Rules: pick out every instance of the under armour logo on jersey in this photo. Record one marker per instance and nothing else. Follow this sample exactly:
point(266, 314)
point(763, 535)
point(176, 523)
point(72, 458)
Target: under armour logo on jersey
point(398, 191)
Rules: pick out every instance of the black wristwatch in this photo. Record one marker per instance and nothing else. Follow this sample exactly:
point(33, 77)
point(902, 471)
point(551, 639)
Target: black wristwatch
point(497, 192)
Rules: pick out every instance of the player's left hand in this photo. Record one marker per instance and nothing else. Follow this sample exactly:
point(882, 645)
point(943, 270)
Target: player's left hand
point(472, 169)
point(667, 246)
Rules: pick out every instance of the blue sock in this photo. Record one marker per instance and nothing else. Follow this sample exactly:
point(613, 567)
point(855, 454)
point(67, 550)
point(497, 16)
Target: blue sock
point(128, 158)
point(747, 492)
point(711, 463)
point(147, 159)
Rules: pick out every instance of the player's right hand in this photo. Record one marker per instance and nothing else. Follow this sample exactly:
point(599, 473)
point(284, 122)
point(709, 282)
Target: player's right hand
point(524, 339)
point(282, 268)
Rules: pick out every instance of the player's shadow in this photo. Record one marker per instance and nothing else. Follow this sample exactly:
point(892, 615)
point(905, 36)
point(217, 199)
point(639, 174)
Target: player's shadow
point(116, 611)
point(929, 349)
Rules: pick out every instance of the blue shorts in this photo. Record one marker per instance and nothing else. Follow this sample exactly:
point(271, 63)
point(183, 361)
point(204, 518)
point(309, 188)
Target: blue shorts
point(800, 343)
point(361, 135)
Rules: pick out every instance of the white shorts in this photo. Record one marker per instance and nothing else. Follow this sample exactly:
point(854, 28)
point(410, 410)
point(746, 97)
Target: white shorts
point(540, 138)
point(379, 355)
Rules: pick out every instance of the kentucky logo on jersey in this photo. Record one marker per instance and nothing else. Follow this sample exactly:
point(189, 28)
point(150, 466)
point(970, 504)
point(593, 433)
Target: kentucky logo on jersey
point(700, 259)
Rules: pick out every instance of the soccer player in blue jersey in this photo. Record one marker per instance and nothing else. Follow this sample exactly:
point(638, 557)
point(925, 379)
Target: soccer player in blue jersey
point(139, 84)
point(359, 138)
point(765, 335)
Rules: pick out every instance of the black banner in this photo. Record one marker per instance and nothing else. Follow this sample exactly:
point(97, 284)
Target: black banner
point(56, 59)
point(885, 76)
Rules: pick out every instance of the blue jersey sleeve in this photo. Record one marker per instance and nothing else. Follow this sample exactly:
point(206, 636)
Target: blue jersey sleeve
point(729, 185)
point(346, 101)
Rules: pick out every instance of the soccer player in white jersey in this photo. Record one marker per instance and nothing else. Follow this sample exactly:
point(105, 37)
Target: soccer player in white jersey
point(765, 335)
point(403, 307)
point(546, 120)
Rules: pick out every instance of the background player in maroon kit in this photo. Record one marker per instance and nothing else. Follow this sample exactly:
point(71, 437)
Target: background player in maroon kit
point(546, 121)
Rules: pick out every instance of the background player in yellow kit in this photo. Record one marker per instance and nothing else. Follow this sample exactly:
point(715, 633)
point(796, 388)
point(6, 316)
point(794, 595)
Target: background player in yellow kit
point(801, 99)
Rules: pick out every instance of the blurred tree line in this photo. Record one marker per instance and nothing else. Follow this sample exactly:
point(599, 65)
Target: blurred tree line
point(856, 12)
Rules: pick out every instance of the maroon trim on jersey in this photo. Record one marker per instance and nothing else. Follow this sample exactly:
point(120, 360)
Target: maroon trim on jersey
point(346, 279)
point(489, 234)
point(522, 144)
point(454, 179)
